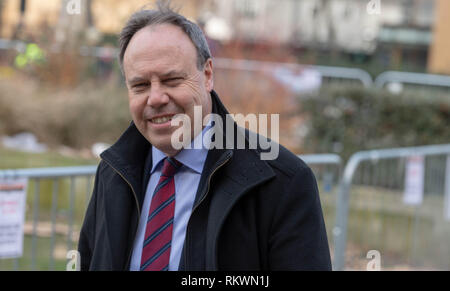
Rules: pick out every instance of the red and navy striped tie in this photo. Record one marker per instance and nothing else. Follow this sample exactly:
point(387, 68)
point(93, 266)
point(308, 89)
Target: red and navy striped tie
point(158, 232)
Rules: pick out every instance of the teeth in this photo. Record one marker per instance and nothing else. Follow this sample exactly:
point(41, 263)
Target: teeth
point(160, 120)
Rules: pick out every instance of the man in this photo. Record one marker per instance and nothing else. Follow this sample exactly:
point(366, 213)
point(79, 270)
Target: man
point(155, 207)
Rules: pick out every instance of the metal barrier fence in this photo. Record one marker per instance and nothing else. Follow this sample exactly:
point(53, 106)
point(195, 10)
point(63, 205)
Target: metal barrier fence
point(327, 169)
point(57, 198)
point(329, 74)
point(381, 206)
point(6, 44)
point(427, 83)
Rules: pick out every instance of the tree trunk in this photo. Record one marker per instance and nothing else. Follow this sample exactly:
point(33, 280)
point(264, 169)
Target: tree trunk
point(1, 17)
point(89, 15)
point(326, 6)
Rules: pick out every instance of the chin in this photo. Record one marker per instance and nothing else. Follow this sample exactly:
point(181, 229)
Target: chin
point(164, 145)
point(167, 149)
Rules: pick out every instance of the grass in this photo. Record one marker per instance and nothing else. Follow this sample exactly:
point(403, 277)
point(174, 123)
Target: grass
point(12, 159)
point(408, 237)
point(41, 261)
point(405, 235)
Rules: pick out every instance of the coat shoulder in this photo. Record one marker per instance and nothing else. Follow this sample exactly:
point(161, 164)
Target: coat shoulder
point(285, 162)
point(288, 163)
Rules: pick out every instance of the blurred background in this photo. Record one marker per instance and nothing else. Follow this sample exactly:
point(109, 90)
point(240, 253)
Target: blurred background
point(344, 75)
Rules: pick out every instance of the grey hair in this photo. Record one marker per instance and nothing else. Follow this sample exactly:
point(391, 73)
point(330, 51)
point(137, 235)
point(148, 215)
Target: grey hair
point(164, 15)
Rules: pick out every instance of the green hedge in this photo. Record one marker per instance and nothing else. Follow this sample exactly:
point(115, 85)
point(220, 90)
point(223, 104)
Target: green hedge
point(347, 120)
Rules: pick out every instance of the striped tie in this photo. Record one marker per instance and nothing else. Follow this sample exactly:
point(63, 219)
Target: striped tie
point(158, 232)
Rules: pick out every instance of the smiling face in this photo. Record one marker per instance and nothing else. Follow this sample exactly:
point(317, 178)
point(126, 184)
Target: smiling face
point(160, 66)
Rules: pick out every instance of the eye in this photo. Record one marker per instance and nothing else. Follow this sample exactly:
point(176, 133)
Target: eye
point(172, 82)
point(139, 87)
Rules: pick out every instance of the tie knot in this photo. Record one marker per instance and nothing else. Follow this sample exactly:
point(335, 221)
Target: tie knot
point(170, 167)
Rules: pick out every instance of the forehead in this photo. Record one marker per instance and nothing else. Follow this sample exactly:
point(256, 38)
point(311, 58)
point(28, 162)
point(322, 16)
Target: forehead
point(158, 47)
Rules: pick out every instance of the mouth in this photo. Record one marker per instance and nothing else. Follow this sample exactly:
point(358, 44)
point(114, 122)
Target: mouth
point(161, 120)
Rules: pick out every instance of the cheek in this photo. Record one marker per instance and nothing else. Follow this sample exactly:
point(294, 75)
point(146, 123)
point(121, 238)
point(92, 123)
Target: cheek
point(189, 98)
point(184, 99)
point(136, 106)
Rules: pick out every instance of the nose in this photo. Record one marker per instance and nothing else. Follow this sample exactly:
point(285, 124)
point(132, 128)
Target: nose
point(157, 97)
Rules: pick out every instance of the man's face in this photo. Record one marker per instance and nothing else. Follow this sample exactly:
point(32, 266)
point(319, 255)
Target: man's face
point(160, 65)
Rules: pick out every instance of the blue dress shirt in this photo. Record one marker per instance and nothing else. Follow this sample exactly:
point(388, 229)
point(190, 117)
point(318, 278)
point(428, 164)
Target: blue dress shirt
point(186, 183)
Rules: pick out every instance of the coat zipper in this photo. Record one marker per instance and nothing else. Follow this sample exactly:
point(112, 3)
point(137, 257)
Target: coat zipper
point(198, 204)
point(137, 206)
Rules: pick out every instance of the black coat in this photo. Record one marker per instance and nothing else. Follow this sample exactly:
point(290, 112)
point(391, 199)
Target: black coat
point(248, 214)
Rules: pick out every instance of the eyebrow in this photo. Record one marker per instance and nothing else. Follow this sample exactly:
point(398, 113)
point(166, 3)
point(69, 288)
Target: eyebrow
point(136, 80)
point(173, 74)
point(167, 75)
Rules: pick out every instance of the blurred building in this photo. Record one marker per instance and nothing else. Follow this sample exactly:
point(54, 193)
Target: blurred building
point(397, 30)
point(440, 49)
point(406, 32)
point(106, 16)
point(302, 23)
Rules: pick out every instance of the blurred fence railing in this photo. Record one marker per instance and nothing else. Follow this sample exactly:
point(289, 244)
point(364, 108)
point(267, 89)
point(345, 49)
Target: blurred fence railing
point(328, 74)
point(327, 169)
point(6, 44)
point(56, 202)
point(375, 209)
point(428, 83)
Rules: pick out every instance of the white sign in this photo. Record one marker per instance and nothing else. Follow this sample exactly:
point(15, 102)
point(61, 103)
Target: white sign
point(12, 215)
point(414, 180)
point(447, 191)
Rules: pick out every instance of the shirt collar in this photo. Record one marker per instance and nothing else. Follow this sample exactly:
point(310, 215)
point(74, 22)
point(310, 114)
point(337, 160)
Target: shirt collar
point(192, 158)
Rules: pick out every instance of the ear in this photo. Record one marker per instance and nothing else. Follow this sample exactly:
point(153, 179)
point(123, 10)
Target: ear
point(209, 75)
